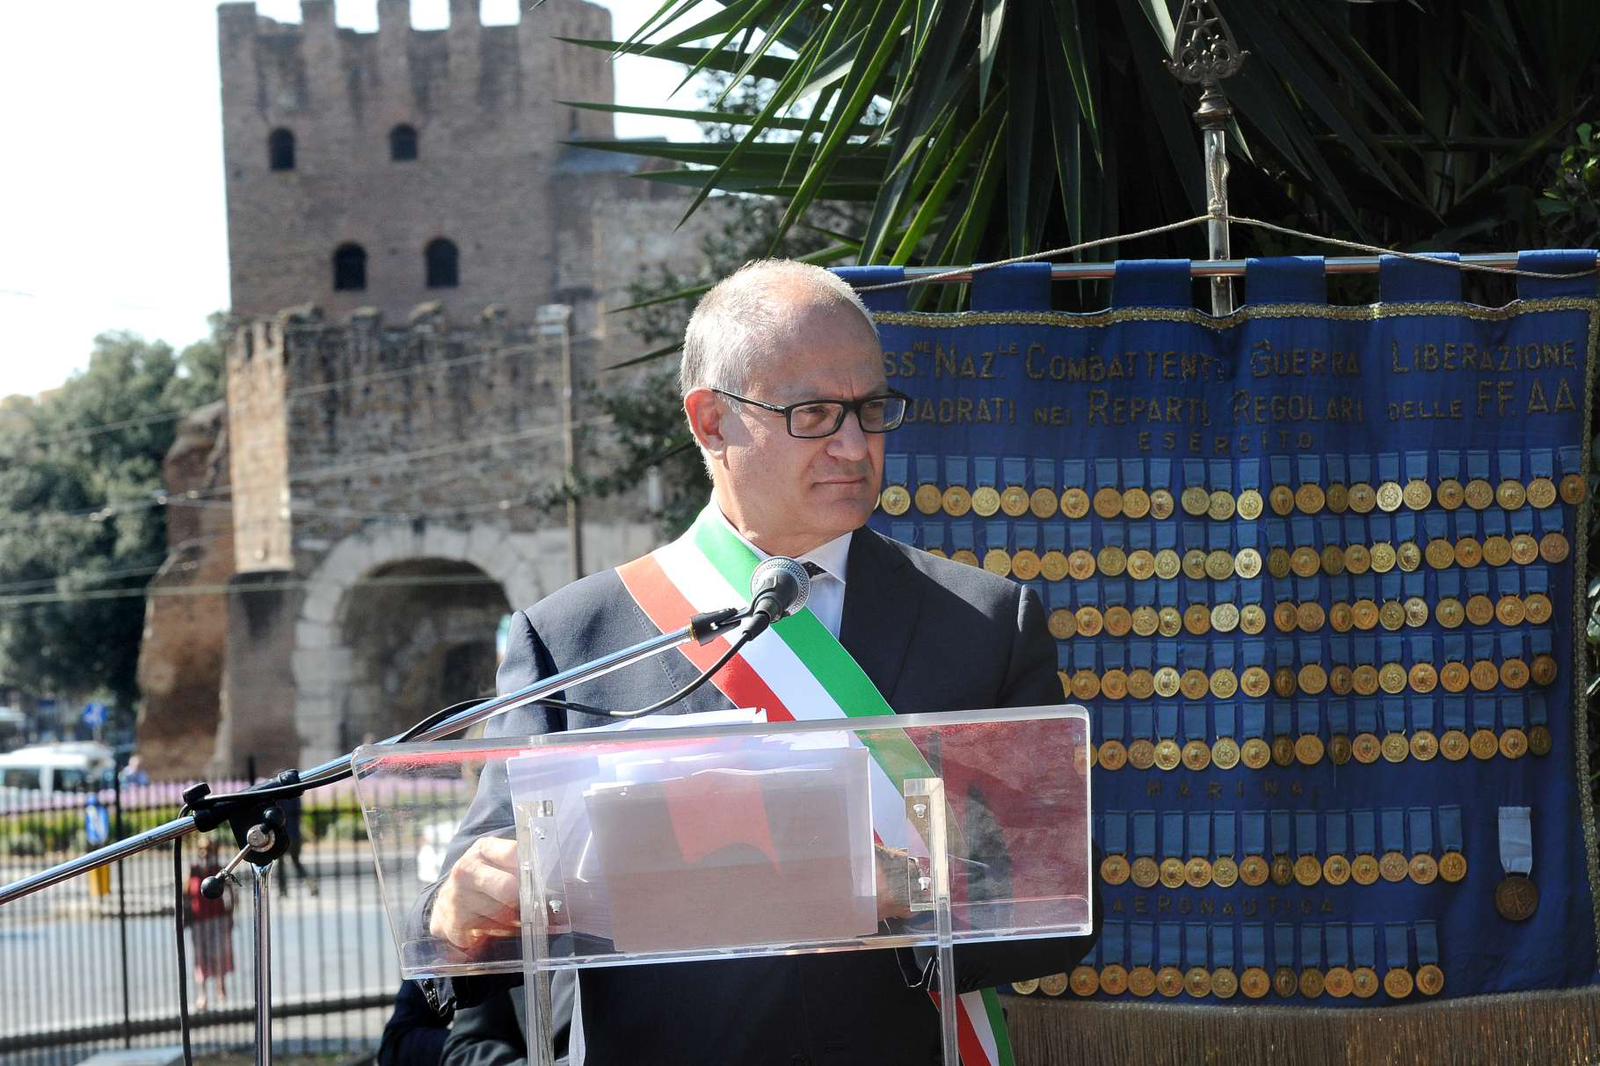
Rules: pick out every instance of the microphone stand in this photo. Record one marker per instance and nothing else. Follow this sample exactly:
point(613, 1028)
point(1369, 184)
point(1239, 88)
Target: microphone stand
point(257, 824)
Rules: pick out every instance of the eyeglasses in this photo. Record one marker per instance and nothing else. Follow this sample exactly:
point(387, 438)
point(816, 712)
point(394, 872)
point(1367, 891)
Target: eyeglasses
point(810, 419)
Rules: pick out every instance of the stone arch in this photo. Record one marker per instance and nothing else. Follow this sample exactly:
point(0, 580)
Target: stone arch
point(340, 693)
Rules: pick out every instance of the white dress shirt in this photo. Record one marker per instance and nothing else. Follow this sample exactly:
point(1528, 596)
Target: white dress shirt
point(827, 588)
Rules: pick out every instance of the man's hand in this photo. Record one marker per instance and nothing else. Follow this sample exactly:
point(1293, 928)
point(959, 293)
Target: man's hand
point(895, 867)
point(478, 901)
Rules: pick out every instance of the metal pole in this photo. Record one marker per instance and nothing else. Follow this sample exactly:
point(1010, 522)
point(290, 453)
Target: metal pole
point(121, 874)
point(1205, 268)
point(263, 875)
point(1204, 53)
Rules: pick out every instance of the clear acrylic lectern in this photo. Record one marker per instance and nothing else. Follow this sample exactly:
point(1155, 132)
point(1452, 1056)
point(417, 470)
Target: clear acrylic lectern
point(682, 840)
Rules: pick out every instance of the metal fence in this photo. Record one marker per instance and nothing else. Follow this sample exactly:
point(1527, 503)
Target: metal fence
point(92, 964)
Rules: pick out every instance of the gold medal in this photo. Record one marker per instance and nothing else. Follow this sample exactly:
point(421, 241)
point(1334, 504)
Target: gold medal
point(1224, 684)
point(1339, 749)
point(1539, 608)
point(1341, 680)
point(1484, 675)
point(1254, 754)
point(1084, 981)
point(1424, 869)
point(1197, 982)
point(1247, 564)
point(1416, 612)
point(1278, 563)
point(1224, 618)
point(997, 561)
point(1391, 616)
point(1053, 565)
point(1390, 496)
point(1450, 613)
point(1357, 559)
point(1307, 870)
point(1141, 565)
point(1310, 499)
point(1136, 503)
point(1169, 981)
point(1281, 500)
point(1167, 681)
point(1309, 749)
point(1338, 499)
point(1423, 678)
point(1145, 621)
point(1383, 558)
point(1514, 674)
point(1453, 867)
point(1195, 501)
point(1553, 548)
point(1333, 560)
point(1085, 685)
point(956, 501)
point(1311, 983)
point(1540, 741)
point(1480, 610)
point(1310, 617)
point(1113, 756)
point(1168, 757)
point(1312, 679)
point(1014, 501)
point(1043, 503)
point(1285, 982)
point(937, 553)
point(1510, 495)
point(1219, 565)
point(1392, 678)
point(1250, 505)
point(1337, 982)
point(1454, 745)
point(1194, 684)
point(1026, 565)
point(1025, 988)
point(1114, 684)
point(929, 499)
point(1393, 867)
point(1440, 553)
point(1197, 620)
point(1255, 983)
point(1167, 564)
point(1114, 869)
point(1408, 556)
point(1362, 498)
point(1162, 505)
point(1285, 617)
point(1574, 489)
point(1424, 745)
point(1364, 982)
point(1284, 682)
point(1282, 751)
point(1080, 565)
point(1417, 495)
point(1196, 755)
point(965, 556)
point(1197, 872)
point(1336, 870)
point(1220, 506)
point(1141, 756)
point(1194, 564)
point(1224, 983)
point(1430, 980)
point(1479, 494)
point(1483, 744)
point(1364, 679)
point(1524, 549)
point(1305, 562)
point(1074, 503)
point(1090, 621)
point(1496, 551)
point(1341, 618)
point(1364, 870)
point(1054, 985)
point(1513, 743)
point(1365, 748)
point(1255, 681)
point(1544, 669)
point(1541, 492)
point(1450, 494)
point(1398, 983)
point(1171, 873)
point(1224, 872)
point(895, 500)
point(1225, 753)
point(1108, 502)
point(986, 501)
point(1113, 980)
point(1063, 624)
point(1469, 552)
point(1253, 871)
point(1394, 748)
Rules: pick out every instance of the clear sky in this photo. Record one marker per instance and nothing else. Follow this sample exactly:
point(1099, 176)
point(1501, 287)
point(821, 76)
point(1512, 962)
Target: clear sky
point(112, 177)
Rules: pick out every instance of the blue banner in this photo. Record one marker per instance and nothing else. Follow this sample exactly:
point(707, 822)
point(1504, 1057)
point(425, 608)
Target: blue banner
point(1331, 558)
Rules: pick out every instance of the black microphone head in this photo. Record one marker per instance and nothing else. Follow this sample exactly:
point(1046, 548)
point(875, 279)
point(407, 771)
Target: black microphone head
point(784, 582)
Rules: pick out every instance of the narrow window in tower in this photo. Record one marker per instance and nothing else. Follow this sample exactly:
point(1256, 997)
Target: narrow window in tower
point(349, 268)
point(443, 264)
point(280, 149)
point(403, 144)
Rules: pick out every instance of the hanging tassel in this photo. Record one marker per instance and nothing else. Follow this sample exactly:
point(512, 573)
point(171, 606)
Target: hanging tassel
point(1559, 1028)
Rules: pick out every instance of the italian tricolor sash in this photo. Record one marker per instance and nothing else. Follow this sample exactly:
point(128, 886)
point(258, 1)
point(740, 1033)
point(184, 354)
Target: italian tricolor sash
point(797, 671)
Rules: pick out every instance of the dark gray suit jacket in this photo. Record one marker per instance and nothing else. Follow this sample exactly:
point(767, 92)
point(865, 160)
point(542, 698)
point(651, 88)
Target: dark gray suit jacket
point(933, 635)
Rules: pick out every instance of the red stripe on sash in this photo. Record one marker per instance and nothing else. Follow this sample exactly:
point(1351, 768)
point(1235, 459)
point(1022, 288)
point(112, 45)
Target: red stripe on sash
point(667, 610)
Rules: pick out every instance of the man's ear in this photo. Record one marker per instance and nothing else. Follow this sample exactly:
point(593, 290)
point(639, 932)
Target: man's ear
point(705, 412)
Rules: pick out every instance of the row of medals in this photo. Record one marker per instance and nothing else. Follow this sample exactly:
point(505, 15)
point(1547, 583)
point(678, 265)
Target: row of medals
point(1199, 982)
point(1309, 617)
point(1311, 679)
point(1221, 505)
point(1141, 564)
point(1308, 750)
point(1307, 871)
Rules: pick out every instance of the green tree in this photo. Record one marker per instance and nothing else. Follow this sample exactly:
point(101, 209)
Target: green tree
point(80, 474)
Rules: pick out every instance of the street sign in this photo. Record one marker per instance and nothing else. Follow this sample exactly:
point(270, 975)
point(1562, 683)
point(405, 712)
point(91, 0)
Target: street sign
point(96, 823)
point(94, 715)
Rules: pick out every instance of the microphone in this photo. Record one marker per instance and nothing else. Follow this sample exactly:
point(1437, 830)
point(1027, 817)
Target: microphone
point(779, 587)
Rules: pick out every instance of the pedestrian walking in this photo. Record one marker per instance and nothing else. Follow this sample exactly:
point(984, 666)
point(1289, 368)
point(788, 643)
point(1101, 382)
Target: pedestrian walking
point(210, 927)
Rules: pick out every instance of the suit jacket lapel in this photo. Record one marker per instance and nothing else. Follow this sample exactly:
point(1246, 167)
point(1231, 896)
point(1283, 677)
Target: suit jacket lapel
point(881, 604)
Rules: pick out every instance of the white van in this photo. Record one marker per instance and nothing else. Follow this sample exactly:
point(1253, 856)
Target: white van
point(47, 769)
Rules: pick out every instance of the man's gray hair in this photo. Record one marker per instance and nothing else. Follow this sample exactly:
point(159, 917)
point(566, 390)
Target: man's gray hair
point(735, 323)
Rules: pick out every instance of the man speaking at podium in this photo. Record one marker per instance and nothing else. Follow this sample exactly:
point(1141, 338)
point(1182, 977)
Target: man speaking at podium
point(784, 389)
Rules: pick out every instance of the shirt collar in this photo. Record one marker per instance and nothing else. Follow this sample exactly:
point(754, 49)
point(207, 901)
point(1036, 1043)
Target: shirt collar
point(831, 556)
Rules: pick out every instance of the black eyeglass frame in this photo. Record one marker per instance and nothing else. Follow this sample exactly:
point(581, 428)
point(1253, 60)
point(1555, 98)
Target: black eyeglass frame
point(846, 407)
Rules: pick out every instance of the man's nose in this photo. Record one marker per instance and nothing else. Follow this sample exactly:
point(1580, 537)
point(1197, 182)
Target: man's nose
point(849, 441)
